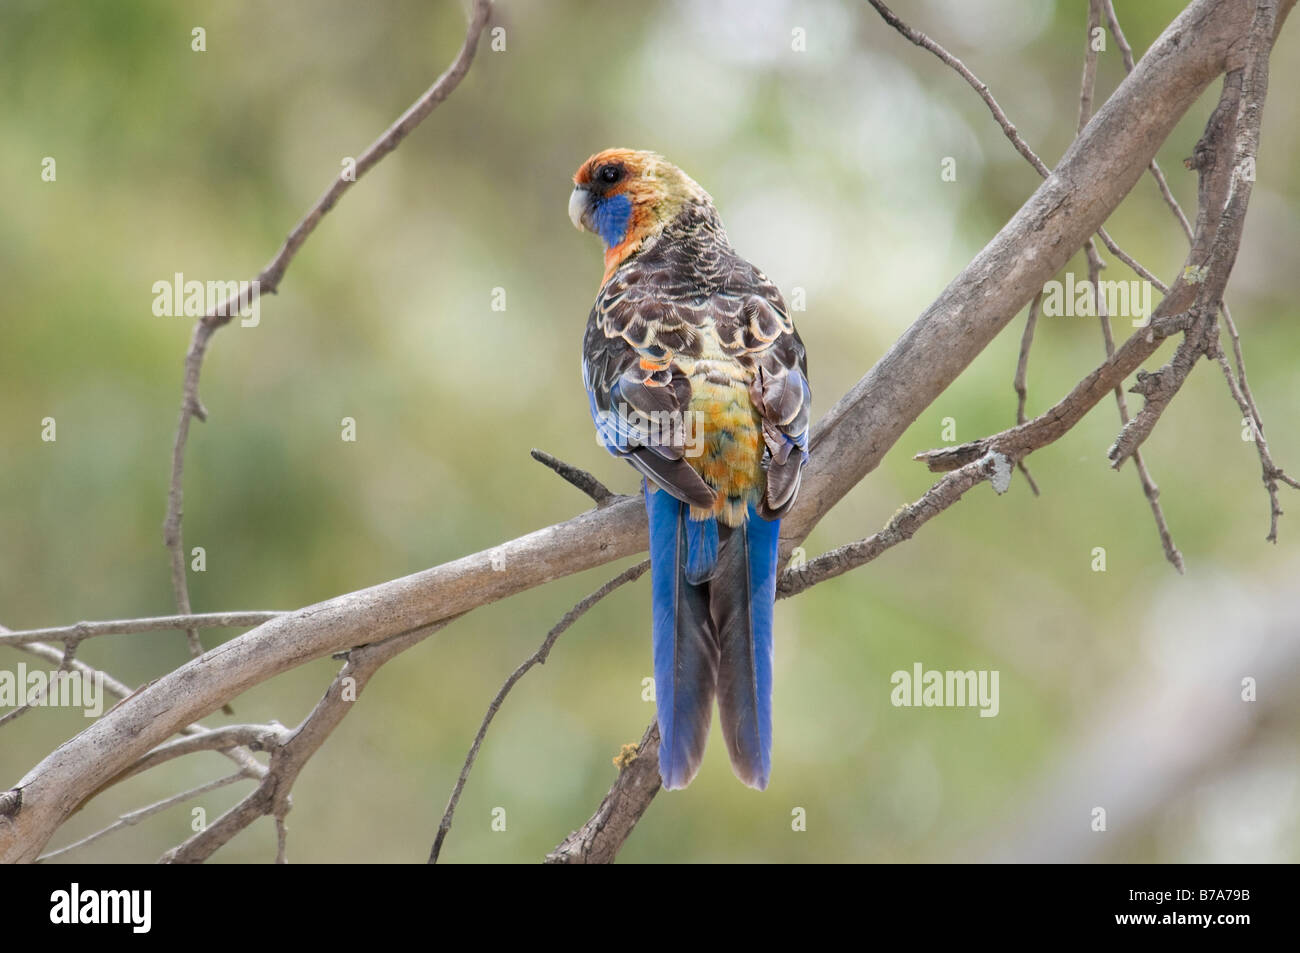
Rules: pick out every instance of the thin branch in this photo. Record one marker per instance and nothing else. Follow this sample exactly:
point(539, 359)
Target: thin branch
point(1272, 473)
point(1095, 266)
point(1022, 370)
point(1024, 438)
point(1138, 268)
point(268, 282)
point(980, 87)
point(1022, 365)
point(281, 838)
point(66, 662)
point(51, 654)
point(89, 630)
point(583, 480)
point(135, 817)
point(1126, 52)
point(1000, 116)
point(1241, 393)
point(223, 739)
point(1244, 91)
point(1089, 81)
point(537, 658)
point(1240, 386)
point(902, 526)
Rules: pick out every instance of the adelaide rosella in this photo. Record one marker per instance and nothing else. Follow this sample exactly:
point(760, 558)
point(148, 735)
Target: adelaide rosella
point(695, 375)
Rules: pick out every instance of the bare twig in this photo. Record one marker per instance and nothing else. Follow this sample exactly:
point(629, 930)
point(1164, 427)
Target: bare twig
point(136, 816)
point(56, 656)
point(1149, 488)
point(1000, 116)
point(268, 282)
point(89, 630)
point(923, 41)
point(1273, 474)
point(1020, 382)
point(1240, 386)
point(537, 658)
point(1126, 52)
point(1047, 427)
point(223, 739)
point(281, 838)
point(902, 526)
point(1022, 365)
point(66, 663)
point(1138, 268)
point(1095, 265)
point(1241, 393)
point(1238, 116)
point(583, 480)
point(1089, 81)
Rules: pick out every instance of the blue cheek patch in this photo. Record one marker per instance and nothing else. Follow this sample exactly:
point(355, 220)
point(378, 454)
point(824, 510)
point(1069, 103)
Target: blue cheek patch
point(612, 216)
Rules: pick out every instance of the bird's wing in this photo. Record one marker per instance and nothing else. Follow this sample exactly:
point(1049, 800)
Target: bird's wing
point(637, 394)
point(754, 326)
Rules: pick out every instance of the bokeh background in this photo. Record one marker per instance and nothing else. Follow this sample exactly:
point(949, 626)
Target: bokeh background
point(1118, 688)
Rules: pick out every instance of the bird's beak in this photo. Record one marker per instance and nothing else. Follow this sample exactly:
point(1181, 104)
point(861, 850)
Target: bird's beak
point(580, 209)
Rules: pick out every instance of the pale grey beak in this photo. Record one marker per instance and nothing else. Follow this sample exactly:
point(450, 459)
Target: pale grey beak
point(580, 208)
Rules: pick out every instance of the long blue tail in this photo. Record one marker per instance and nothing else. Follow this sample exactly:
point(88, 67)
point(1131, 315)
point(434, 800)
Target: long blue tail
point(713, 591)
point(742, 598)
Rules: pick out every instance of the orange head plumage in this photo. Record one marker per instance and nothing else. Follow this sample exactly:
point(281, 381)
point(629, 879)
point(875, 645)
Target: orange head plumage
point(628, 197)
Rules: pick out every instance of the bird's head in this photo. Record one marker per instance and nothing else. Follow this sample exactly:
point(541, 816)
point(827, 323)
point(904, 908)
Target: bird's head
point(628, 198)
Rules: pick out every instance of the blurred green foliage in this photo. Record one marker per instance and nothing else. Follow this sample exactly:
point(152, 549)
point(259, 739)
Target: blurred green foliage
point(825, 165)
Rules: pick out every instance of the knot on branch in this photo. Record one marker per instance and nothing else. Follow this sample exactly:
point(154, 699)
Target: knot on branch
point(950, 458)
point(1148, 383)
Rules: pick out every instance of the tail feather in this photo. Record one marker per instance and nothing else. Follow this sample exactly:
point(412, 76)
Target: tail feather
point(742, 599)
point(701, 550)
point(685, 644)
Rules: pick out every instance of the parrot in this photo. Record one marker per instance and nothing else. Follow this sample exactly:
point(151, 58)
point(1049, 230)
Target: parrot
point(696, 377)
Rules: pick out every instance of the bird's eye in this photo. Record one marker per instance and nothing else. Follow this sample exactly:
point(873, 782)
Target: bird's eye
point(610, 174)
